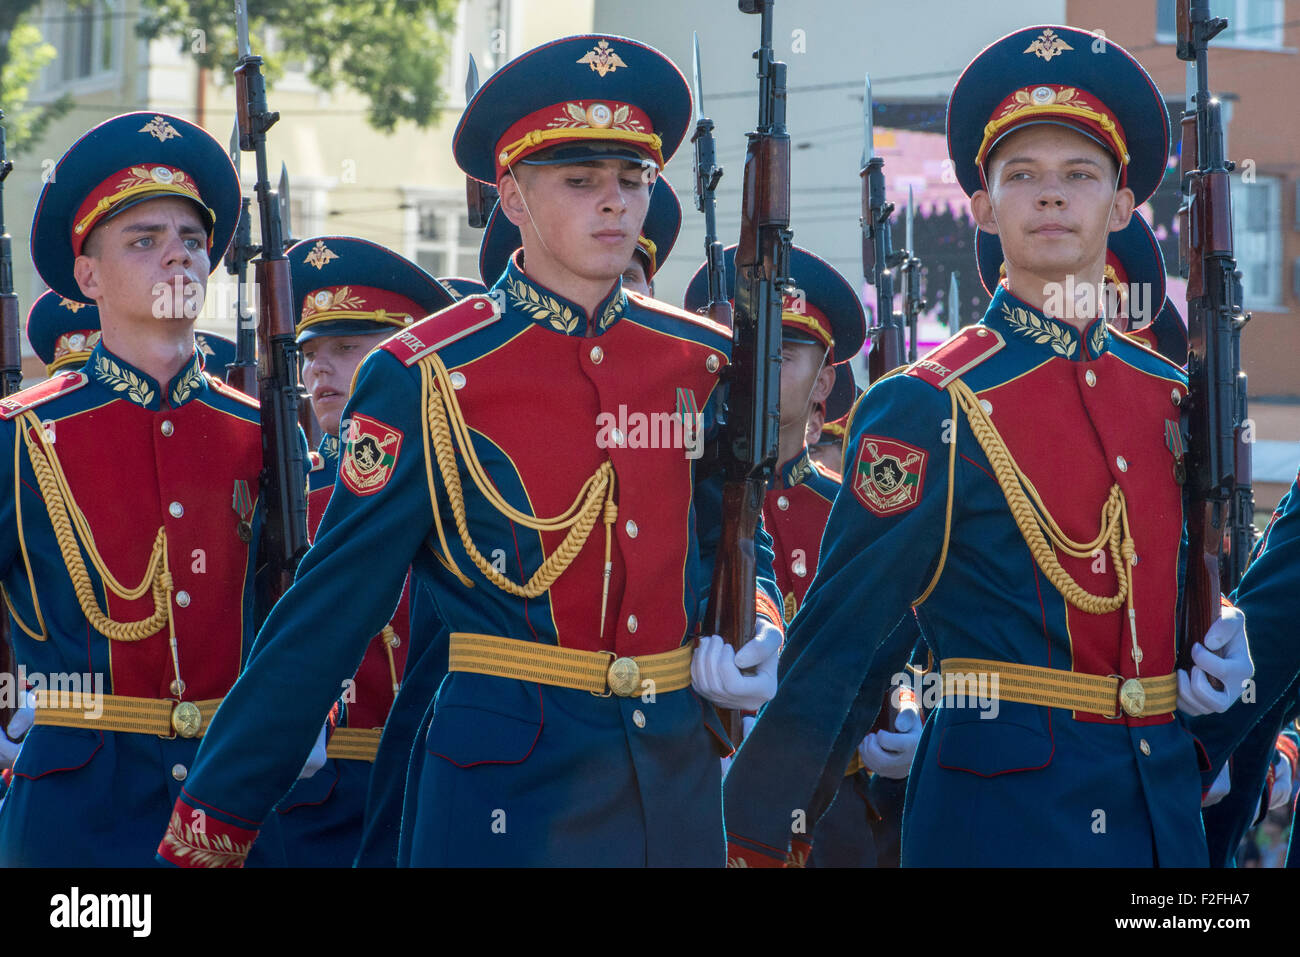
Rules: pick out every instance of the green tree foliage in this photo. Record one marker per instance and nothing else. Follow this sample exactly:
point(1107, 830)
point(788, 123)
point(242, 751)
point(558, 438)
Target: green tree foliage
point(392, 51)
point(23, 53)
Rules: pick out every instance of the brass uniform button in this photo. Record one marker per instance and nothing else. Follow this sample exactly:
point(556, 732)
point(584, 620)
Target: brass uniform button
point(458, 380)
point(167, 428)
point(1144, 747)
point(1121, 463)
point(1090, 377)
point(631, 623)
point(624, 677)
point(597, 354)
point(638, 718)
point(631, 528)
point(712, 363)
point(180, 772)
point(186, 719)
point(183, 599)
point(176, 509)
point(782, 502)
point(1176, 397)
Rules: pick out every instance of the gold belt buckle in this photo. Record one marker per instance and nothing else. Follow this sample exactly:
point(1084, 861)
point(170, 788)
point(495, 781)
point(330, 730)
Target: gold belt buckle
point(624, 677)
point(187, 719)
point(1133, 698)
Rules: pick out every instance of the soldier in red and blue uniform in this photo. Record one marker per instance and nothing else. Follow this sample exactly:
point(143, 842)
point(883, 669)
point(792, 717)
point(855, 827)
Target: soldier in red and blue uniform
point(1134, 281)
point(351, 295)
point(382, 844)
point(128, 551)
point(1016, 488)
point(503, 449)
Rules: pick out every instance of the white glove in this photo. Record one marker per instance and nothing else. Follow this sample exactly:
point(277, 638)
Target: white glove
point(11, 739)
point(1231, 666)
point(1219, 789)
point(1281, 795)
point(717, 671)
point(315, 760)
point(890, 753)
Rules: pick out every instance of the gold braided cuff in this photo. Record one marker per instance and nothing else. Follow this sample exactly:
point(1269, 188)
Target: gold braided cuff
point(598, 672)
point(1105, 695)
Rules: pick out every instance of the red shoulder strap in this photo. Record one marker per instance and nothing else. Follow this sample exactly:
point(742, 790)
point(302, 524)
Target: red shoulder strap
point(959, 354)
point(40, 393)
point(442, 328)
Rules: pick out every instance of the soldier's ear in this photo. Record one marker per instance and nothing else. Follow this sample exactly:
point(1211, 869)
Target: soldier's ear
point(86, 271)
point(981, 208)
point(825, 382)
point(513, 204)
point(1121, 210)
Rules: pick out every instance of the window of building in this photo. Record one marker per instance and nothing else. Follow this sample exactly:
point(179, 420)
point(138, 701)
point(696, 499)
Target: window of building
point(1251, 23)
point(1257, 238)
point(442, 241)
point(87, 39)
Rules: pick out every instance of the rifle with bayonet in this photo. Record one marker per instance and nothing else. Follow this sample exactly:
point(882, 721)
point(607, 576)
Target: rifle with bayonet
point(749, 434)
point(914, 302)
point(284, 466)
point(480, 197)
point(888, 350)
point(11, 380)
point(707, 175)
point(242, 373)
point(1215, 467)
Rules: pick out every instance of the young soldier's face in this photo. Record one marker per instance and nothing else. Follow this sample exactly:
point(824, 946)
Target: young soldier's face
point(329, 362)
point(806, 379)
point(1052, 201)
point(146, 264)
point(582, 218)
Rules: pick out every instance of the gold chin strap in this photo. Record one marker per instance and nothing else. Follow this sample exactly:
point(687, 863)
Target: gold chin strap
point(594, 501)
point(72, 532)
point(1037, 525)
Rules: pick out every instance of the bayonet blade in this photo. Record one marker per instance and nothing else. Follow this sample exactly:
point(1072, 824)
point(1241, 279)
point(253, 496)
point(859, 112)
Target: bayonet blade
point(241, 23)
point(954, 319)
point(471, 79)
point(234, 147)
point(695, 79)
point(868, 134)
point(282, 190)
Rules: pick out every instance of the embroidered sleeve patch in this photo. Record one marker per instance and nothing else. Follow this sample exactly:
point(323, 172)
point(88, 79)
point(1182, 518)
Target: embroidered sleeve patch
point(888, 475)
point(369, 454)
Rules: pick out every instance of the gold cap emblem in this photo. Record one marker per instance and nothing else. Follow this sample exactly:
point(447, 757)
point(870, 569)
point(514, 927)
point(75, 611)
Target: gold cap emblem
point(160, 128)
point(1048, 45)
point(320, 255)
point(602, 59)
